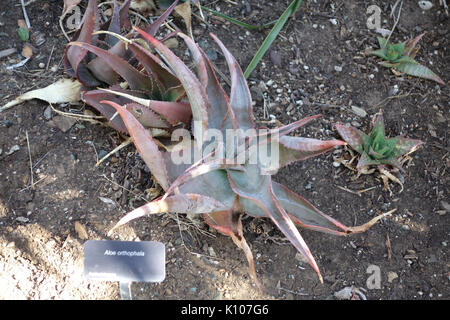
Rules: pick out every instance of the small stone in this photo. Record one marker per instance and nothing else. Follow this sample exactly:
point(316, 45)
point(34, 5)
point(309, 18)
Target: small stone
point(391, 276)
point(22, 219)
point(299, 257)
point(42, 65)
point(333, 21)
point(338, 68)
point(64, 123)
point(212, 54)
point(275, 57)
point(425, 5)
point(405, 227)
point(359, 111)
point(336, 164)
point(48, 113)
point(211, 252)
point(445, 205)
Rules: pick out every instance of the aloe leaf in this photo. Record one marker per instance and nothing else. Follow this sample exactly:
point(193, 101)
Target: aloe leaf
point(399, 47)
point(272, 36)
point(102, 70)
point(197, 58)
point(73, 56)
point(136, 79)
point(304, 213)
point(405, 145)
point(240, 97)
point(145, 145)
point(93, 98)
point(146, 116)
point(418, 70)
point(381, 53)
point(180, 203)
point(410, 46)
point(354, 137)
point(114, 25)
point(194, 90)
point(365, 160)
point(229, 223)
point(216, 164)
point(172, 111)
point(382, 42)
point(293, 149)
point(152, 28)
point(404, 59)
point(220, 116)
point(267, 201)
point(162, 76)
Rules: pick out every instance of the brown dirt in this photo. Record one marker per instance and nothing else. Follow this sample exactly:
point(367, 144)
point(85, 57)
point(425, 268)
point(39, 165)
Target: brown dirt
point(43, 257)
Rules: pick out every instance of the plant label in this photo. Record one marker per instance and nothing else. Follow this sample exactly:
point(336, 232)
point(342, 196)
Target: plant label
point(125, 261)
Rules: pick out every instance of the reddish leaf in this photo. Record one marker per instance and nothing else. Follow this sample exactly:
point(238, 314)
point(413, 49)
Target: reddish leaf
point(145, 145)
point(136, 79)
point(240, 97)
point(194, 90)
point(180, 203)
point(145, 116)
point(354, 137)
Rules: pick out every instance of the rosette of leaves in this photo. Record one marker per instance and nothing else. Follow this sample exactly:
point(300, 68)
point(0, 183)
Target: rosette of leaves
point(114, 67)
point(222, 189)
point(401, 56)
point(376, 149)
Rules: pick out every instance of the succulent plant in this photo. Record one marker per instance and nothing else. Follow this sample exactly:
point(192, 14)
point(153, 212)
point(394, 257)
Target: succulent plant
point(223, 188)
point(125, 66)
point(375, 148)
point(401, 56)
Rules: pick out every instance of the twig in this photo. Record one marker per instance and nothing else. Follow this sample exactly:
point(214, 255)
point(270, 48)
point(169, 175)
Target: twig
point(31, 162)
point(396, 21)
point(25, 14)
point(121, 146)
point(388, 246)
point(50, 57)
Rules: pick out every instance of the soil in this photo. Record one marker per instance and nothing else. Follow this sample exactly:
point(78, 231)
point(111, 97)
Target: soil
point(316, 65)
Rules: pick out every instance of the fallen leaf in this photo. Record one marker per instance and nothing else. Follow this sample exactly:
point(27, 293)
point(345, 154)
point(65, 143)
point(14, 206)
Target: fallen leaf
point(62, 91)
point(27, 51)
point(68, 5)
point(184, 10)
point(81, 231)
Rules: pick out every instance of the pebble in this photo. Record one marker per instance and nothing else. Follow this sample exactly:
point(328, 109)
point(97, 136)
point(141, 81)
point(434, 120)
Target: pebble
point(336, 164)
point(425, 5)
point(42, 65)
point(391, 276)
point(359, 112)
point(48, 113)
point(275, 57)
point(64, 123)
point(338, 68)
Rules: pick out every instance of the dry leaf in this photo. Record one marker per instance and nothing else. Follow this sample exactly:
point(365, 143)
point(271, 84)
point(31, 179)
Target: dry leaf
point(81, 231)
point(68, 5)
point(62, 91)
point(184, 10)
point(27, 51)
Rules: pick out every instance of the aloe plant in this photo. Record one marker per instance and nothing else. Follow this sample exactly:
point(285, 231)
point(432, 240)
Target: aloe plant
point(401, 56)
point(375, 148)
point(222, 189)
point(124, 68)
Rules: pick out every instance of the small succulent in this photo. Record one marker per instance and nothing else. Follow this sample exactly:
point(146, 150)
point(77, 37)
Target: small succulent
point(125, 69)
point(401, 56)
point(375, 148)
point(221, 188)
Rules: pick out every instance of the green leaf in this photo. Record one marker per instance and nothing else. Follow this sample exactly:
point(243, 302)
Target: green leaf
point(237, 22)
point(399, 47)
point(382, 42)
point(418, 70)
point(272, 36)
point(381, 53)
point(24, 34)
